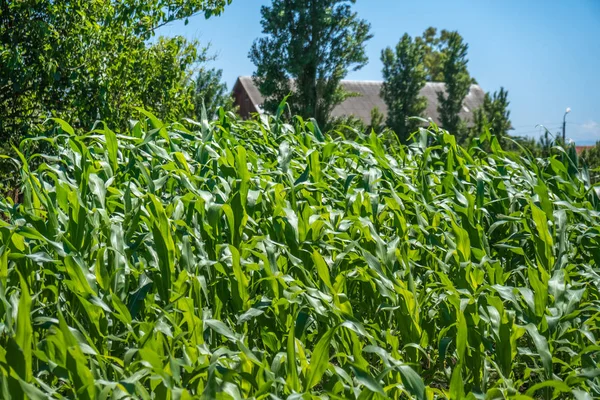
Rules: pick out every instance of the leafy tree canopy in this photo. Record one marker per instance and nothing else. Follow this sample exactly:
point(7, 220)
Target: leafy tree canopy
point(211, 93)
point(89, 60)
point(404, 76)
point(308, 48)
point(493, 115)
point(458, 82)
point(436, 47)
point(433, 45)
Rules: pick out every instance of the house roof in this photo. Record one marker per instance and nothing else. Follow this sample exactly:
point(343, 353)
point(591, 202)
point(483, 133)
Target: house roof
point(370, 97)
point(580, 149)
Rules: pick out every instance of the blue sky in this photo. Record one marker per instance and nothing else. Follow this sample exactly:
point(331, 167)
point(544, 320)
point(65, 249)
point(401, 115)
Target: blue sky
point(545, 52)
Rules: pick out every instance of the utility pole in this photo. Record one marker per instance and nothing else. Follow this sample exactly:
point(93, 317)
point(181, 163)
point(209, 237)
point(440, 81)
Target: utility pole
point(564, 138)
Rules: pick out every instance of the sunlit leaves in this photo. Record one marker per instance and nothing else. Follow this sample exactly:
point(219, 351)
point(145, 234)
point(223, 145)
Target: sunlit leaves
point(252, 259)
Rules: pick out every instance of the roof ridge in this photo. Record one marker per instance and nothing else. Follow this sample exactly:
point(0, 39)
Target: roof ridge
point(365, 81)
point(362, 80)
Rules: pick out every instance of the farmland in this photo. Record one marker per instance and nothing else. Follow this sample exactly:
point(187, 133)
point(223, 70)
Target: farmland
point(267, 259)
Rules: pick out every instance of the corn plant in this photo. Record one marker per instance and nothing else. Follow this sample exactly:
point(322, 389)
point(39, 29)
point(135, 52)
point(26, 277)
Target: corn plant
point(264, 259)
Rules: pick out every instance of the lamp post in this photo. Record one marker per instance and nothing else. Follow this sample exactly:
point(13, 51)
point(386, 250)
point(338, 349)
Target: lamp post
point(568, 110)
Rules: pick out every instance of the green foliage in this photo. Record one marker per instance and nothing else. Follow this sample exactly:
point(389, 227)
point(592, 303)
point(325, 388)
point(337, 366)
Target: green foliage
point(264, 259)
point(309, 47)
point(433, 46)
point(404, 77)
point(435, 58)
point(592, 158)
point(90, 60)
point(493, 115)
point(436, 48)
point(377, 120)
point(546, 143)
point(458, 81)
point(522, 144)
point(211, 93)
point(545, 147)
point(347, 123)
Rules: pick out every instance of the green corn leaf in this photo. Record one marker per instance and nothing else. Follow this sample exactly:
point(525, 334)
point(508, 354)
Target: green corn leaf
point(320, 359)
point(365, 379)
point(220, 328)
point(219, 260)
point(559, 387)
point(292, 372)
point(412, 381)
point(165, 247)
point(457, 389)
point(544, 238)
point(541, 345)
point(112, 148)
point(64, 125)
point(322, 270)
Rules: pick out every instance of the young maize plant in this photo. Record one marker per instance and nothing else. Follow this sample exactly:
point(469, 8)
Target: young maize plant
point(263, 259)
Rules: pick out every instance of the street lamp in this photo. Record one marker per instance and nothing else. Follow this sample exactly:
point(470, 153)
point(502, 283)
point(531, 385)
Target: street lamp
point(568, 110)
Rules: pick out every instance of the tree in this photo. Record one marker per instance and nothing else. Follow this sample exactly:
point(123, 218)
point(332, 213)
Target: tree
point(435, 45)
point(493, 115)
point(88, 59)
point(211, 93)
point(309, 47)
point(432, 47)
point(377, 120)
point(446, 61)
point(457, 84)
point(404, 77)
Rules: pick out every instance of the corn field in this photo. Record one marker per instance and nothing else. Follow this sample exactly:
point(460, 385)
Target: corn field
point(265, 259)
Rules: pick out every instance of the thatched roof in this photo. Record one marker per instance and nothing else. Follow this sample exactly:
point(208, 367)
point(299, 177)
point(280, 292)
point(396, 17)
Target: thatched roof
point(369, 97)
